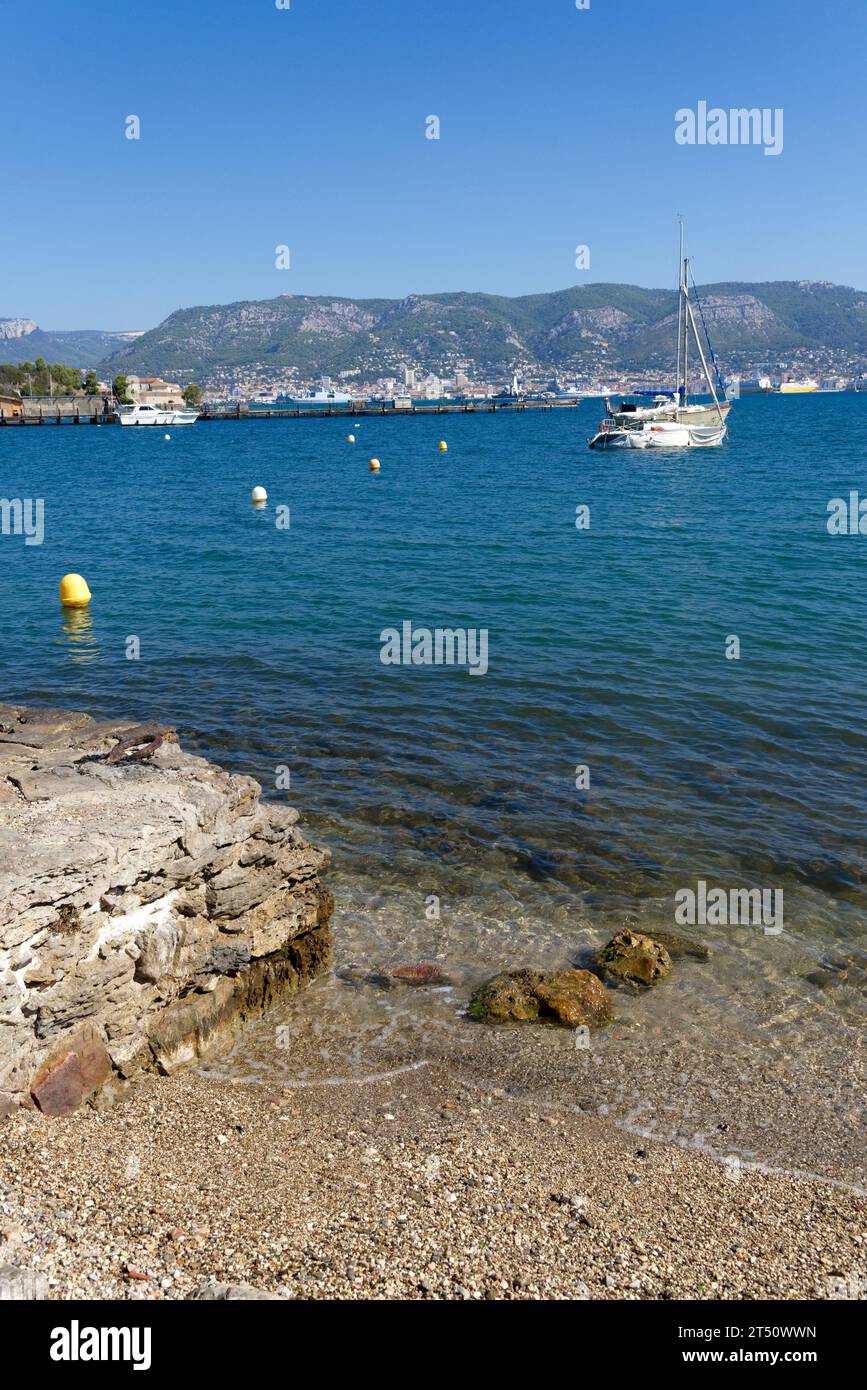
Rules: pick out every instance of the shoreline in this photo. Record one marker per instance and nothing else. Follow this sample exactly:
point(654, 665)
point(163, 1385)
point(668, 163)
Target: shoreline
point(421, 1185)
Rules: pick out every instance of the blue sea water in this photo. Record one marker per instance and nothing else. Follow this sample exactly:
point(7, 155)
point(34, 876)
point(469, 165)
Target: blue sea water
point(607, 648)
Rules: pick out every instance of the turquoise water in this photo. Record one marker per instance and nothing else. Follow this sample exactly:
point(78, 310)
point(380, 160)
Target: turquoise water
point(606, 649)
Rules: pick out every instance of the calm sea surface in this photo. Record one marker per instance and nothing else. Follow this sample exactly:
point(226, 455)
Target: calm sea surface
point(607, 648)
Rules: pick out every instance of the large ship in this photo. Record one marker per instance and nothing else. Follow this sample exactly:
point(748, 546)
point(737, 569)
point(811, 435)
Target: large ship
point(798, 388)
point(751, 386)
point(324, 394)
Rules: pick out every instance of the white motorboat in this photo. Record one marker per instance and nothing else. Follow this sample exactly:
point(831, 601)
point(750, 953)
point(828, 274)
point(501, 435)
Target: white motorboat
point(671, 421)
point(155, 415)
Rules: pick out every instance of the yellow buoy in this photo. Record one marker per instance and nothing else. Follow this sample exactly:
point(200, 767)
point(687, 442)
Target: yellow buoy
point(350, 439)
point(74, 592)
point(374, 465)
point(443, 446)
point(259, 494)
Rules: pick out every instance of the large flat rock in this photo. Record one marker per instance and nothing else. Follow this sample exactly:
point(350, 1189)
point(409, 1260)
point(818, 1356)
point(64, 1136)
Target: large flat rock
point(140, 887)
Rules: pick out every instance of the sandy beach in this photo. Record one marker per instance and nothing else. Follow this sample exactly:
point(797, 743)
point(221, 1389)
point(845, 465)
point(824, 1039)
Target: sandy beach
point(424, 1185)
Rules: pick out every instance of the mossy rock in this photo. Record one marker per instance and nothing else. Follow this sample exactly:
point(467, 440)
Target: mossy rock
point(507, 998)
point(571, 998)
point(635, 958)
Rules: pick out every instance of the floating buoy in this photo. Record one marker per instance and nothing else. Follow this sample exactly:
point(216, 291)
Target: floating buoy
point(259, 494)
point(443, 446)
point(350, 439)
point(168, 436)
point(74, 592)
point(374, 465)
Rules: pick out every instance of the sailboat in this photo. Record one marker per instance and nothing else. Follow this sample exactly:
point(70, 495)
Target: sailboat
point(671, 421)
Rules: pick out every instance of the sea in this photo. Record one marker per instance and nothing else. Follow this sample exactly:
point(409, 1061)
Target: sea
point(674, 694)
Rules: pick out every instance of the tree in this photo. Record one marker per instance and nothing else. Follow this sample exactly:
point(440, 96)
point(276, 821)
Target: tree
point(193, 394)
point(120, 387)
point(91, 385)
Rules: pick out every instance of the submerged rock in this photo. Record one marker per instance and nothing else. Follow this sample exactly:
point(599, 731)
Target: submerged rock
point(678, 946)
point(423, 972)
point(571, 998)
point(633, 957)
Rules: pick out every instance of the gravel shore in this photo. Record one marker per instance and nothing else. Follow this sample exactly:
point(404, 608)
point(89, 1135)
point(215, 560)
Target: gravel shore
point(421, 1185)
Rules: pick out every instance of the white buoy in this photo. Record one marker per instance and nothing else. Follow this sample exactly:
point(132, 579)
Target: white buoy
point(350, 439)
point(168, 436)
point(259, 494)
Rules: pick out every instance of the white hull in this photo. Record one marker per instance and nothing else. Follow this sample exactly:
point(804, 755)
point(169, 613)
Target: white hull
point(150, 415)
point(661, 436)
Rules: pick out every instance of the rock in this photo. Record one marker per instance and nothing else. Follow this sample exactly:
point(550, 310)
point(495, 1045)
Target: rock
point(227, 960)
point(72, 1071)
point(60, 1090)
point(572, 998)
point(575, 998)
point(423, 972)
point(507, 998)
point(635, 958)
point(207, 1292)
point(159, 951)
point(678, 946)
point(140, 894)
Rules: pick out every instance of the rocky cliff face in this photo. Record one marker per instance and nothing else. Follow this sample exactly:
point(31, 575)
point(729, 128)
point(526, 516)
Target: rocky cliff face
point(17, 328)
point(149, 903)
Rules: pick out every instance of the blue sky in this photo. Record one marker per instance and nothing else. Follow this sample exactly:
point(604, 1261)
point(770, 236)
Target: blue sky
point(306, 127)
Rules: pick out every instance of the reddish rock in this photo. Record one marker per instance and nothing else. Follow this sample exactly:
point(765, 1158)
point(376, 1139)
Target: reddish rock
point(424, 972)
point(73, 1070)
point(61, 1090)
point(575, 997)
point(93, 1058)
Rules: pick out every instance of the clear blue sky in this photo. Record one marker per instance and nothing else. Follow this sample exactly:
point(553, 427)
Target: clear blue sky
point(307, 127)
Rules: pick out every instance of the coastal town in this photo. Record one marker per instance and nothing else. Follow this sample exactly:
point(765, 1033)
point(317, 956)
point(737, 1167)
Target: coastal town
point(257, 390)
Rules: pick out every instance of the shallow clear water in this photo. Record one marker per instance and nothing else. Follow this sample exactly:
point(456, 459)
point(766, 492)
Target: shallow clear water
point(606, 648)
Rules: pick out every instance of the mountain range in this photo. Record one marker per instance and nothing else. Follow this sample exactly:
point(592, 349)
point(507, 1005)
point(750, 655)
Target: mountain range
point(23, 340)
point(615, 327)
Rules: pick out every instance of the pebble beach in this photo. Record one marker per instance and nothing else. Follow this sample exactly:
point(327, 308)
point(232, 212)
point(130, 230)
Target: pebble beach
point(424, 1185)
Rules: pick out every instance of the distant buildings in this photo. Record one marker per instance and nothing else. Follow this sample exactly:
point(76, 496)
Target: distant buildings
point(152, 390)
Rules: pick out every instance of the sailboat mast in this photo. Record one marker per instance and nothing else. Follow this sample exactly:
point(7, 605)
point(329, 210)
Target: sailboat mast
point(684, 290)
point(679, 312)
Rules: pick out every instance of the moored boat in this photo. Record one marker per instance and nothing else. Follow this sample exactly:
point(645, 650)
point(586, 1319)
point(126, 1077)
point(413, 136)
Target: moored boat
point(153, 415)
point(672, 421)
point(798, 388)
